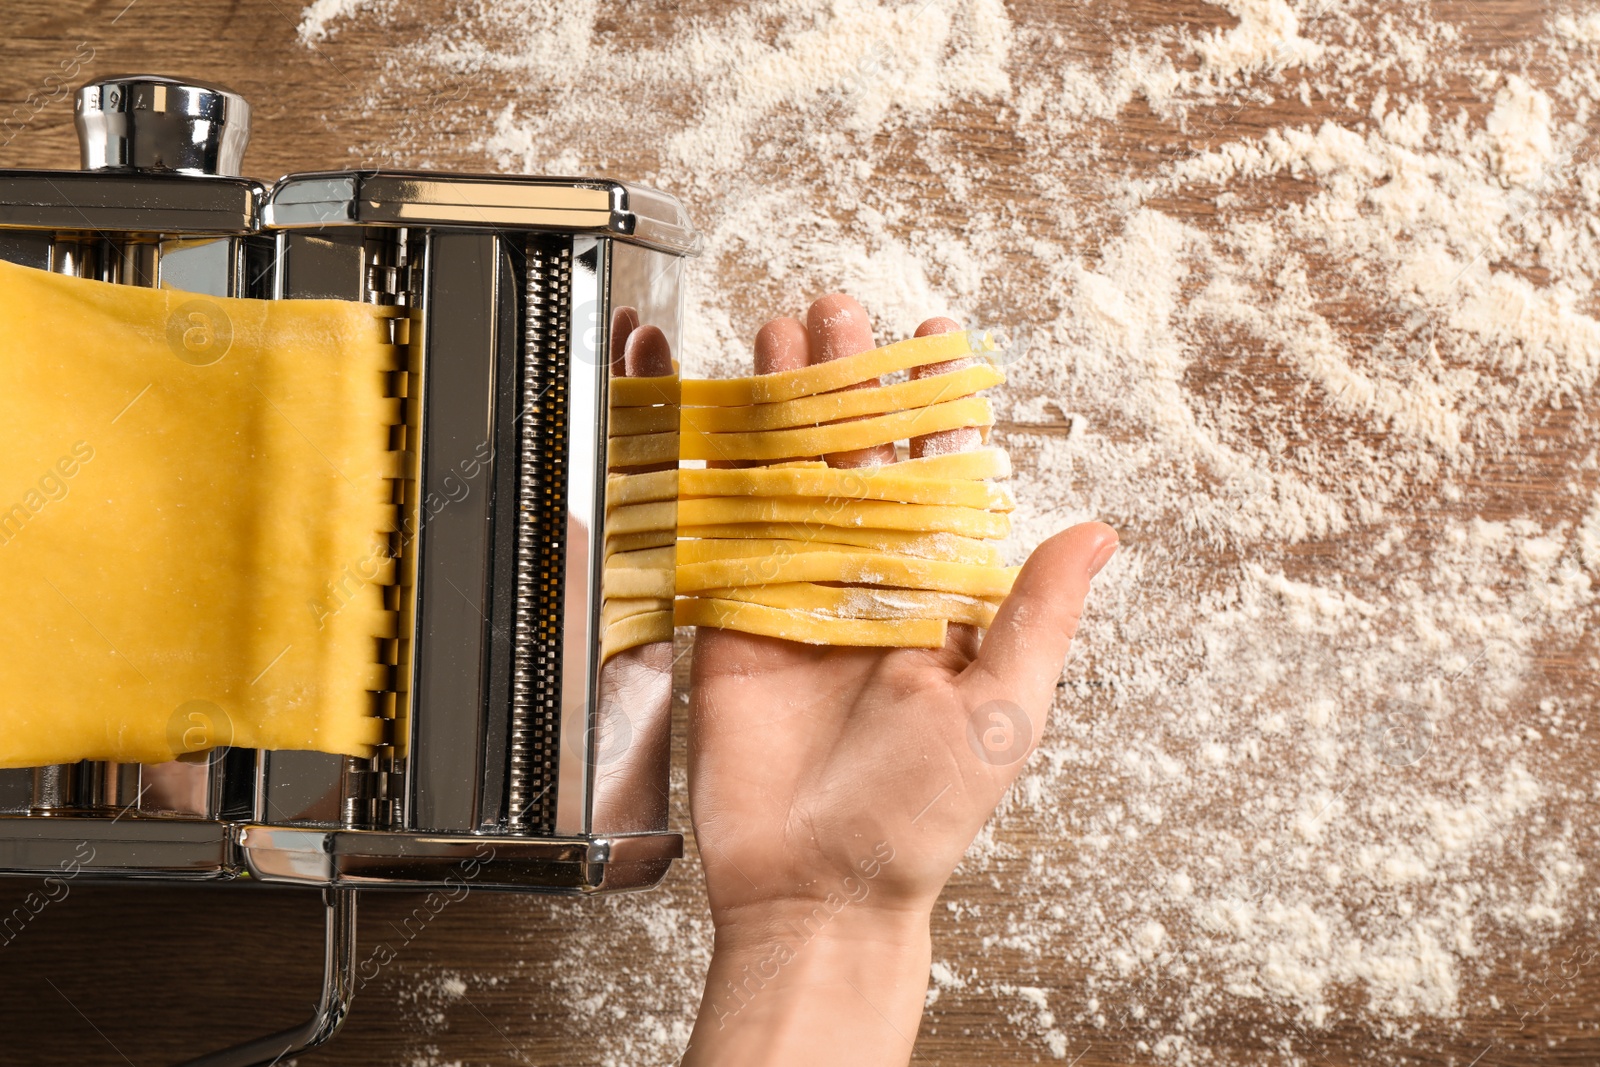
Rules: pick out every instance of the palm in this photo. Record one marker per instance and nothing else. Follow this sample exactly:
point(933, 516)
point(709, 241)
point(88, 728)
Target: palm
point(805, 760)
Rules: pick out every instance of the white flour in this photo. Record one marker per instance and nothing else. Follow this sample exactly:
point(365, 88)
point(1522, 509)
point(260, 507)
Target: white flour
point(316, 22)
point(1302, 296)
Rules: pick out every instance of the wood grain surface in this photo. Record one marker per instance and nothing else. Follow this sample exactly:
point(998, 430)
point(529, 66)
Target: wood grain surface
point(144, 976)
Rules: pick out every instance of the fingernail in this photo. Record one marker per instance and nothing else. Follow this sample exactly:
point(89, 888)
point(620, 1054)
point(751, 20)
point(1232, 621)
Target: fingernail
point(1102, 557)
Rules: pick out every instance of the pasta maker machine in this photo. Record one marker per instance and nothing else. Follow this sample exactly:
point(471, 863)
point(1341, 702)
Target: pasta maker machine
point(514, 759)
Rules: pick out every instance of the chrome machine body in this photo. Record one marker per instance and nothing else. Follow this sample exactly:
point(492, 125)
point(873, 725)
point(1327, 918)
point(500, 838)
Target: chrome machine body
point(514, 760)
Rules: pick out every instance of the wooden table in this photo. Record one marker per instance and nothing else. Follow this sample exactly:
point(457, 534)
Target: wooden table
point(146, 975)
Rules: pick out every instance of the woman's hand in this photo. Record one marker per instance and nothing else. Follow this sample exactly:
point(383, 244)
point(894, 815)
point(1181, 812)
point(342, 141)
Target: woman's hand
point(834, 790)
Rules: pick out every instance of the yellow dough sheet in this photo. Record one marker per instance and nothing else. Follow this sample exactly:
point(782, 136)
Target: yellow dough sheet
point(844, 566)
point(807, 627)
point(192, 494)
point(838, 436)
point(864, 514)
point(838, 373)
point(863, 602)
point(832, 407)
point(845, 483)
point(950, 547)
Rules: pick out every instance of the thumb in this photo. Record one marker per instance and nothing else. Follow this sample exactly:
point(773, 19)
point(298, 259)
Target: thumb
point(1024, 648)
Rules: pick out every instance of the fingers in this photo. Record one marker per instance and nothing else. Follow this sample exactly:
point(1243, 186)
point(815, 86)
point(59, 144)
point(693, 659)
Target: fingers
point(646, 353)
point(937, 325)
point(1023, 652)
point(623, 322)
point(782, 345)
point(838, 326)
point(643, 353)
point(962, 439)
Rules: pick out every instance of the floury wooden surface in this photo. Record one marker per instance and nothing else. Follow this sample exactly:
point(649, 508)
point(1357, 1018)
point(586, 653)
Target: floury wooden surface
point(145, 976)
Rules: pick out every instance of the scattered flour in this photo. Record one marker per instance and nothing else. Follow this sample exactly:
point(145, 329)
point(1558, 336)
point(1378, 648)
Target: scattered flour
point(1302, 299)
point(316, 19)
point(433, 998)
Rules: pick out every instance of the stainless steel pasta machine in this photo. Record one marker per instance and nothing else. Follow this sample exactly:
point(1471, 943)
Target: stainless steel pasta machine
point(514, 758)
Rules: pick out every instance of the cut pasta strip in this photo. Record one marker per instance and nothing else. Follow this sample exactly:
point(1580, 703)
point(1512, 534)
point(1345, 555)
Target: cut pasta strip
point(839, 436)
point(979, 464)
point(950, 547)
point(632, 542)
point(618, 608)
point(632, 582)
point(641, 488)
point(646, 572)
point(837, 374)
point(644, 559)
point(646, 392)
point(846, 566)
point(862, 514)
point(643, 420)
point(872, 483)
point(876, 544)
point(808, 628)
point(762, 556)
point(638, 450)
point(709, 551)
point(863, 602)
point(831, 407)
point(638, 518)
point(635, 630)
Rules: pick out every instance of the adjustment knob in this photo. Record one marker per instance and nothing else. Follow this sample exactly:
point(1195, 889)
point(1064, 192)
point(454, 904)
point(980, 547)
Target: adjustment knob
point(146, 123)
